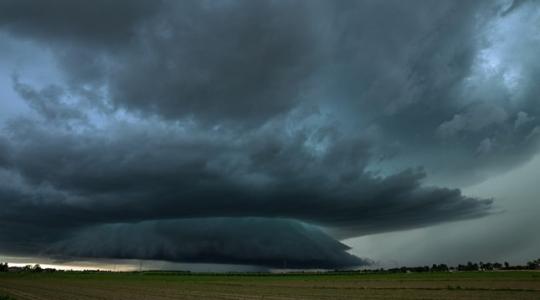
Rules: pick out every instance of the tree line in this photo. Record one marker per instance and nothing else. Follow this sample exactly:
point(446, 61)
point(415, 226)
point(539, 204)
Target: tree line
point(469, 266)
point(4, 267)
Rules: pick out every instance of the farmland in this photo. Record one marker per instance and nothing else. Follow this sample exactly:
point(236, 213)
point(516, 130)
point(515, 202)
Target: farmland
point(148, 285)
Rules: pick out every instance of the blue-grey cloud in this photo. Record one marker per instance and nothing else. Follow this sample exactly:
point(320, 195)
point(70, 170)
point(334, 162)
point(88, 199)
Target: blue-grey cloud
point(252, 241)
point(310, 111)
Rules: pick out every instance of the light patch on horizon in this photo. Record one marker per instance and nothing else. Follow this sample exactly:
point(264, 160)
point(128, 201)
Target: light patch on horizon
point(506, 236)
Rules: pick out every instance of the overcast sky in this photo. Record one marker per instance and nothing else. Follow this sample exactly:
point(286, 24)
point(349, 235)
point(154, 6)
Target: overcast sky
point(270, 134)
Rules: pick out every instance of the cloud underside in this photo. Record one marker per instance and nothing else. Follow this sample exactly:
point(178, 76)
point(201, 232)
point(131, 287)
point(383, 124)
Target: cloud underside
point(69, 195)
point(252, 241)
point(257, 132)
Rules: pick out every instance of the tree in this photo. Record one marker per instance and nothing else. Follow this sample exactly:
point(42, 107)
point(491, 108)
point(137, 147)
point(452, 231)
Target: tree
point(535, 264)
point(439, 268)
point(37, 268)
point(4, 267)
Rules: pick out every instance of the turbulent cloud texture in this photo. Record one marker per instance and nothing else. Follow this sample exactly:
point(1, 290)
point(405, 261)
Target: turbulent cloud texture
point(258, 132)
point(281, 243)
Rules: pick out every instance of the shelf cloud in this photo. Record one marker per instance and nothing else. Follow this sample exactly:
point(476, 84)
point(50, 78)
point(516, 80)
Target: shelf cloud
point(258, 133)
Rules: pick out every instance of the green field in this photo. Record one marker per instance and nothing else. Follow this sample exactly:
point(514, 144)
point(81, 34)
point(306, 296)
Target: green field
point(460, 285)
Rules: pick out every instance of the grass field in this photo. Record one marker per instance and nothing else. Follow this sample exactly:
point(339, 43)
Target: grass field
point(461, 285)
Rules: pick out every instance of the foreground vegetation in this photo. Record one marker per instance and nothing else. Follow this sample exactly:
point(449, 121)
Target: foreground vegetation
point(380, 285)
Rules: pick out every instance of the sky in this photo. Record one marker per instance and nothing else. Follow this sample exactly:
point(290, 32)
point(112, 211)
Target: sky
point(255, 135)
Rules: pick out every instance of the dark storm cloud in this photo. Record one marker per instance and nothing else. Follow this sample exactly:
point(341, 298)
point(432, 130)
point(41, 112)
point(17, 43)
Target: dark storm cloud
point(50, 227)
point(243, 63)
point(252, 241)
point(415, 76)
point(4, 151)
point(235, 61)
point(102, 22)
point(287, 111)
point(188, 176)
point(49, 102)
point(514, 4)
point(87, 181)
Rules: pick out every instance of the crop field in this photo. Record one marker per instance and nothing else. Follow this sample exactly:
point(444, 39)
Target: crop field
point(148, 285)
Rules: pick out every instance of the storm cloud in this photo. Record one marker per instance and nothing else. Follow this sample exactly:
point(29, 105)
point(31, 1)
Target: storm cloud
point(278, 243)
point(76, 182)
point(258, 132)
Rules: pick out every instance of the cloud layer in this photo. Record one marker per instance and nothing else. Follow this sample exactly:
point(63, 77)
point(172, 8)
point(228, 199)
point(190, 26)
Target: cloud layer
point(277, 243)
point(290, 124)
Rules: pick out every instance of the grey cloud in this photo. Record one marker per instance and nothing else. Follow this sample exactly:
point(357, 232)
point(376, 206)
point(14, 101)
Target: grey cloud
point(485, 146)
point(252, 241)
point(191, 177)
point(50, 102)
point(522, 119)
point(199, 109)
point(238, 61)
point(475, 118)
point(513, 5)
point(436, 78)
point(190, 60)
point(4, 151)
point(233, 61)
point(102, 22)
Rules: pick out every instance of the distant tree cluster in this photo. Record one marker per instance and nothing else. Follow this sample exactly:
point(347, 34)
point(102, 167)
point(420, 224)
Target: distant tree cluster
point(534, 265)
point(439, 268)
point(483, 266)
point(35, 268)
point(470, 266)
point(4, 267)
